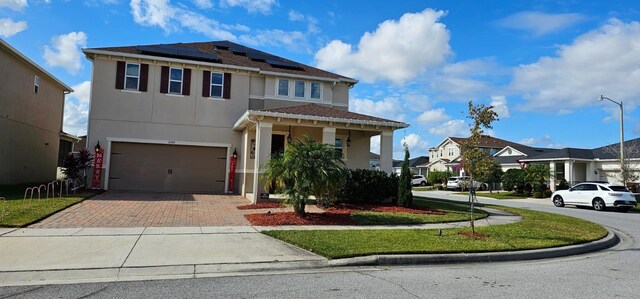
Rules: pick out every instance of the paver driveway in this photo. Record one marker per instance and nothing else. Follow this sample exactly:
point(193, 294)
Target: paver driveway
point(147, 209)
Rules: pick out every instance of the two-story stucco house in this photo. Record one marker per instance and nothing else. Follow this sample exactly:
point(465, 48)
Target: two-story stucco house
point(170, 116)
point(31, 113)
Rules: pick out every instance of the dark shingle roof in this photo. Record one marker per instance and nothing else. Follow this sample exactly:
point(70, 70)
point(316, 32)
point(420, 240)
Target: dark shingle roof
point(226, 56)
point(323, 111)
point(588, 154)
point(488, 141)
point(415, 162)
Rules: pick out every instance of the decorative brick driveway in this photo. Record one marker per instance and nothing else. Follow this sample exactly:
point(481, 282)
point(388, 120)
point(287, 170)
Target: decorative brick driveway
point(132, 209)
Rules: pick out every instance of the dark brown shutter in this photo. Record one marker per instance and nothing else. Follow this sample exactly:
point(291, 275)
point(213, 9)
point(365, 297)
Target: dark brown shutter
point(206, 84)
point(226, 89)
point(120, 75)
point(144, 76)
point(164, 80)
point(186, 82)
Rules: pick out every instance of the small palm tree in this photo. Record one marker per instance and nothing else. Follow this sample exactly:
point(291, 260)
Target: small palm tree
point(306, 168)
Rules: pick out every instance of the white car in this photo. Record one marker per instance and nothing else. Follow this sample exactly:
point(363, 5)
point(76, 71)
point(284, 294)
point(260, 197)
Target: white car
point(463, 182)
point(597, 195)
point(418, 180)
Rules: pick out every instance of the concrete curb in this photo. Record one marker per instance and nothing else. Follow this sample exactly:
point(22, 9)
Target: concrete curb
point(608, 241)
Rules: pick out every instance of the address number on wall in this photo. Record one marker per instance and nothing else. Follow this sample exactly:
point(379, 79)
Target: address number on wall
point(172, 142)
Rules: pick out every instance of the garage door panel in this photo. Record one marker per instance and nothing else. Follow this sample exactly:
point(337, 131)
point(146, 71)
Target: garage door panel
point(155, 167)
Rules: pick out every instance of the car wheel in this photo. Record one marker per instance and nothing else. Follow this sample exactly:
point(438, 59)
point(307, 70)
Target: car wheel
point(423, 183)
point(624, 209)
point(598, 204)
point(558, 201)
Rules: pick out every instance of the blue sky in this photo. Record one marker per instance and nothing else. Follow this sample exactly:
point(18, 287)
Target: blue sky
point(542, 64)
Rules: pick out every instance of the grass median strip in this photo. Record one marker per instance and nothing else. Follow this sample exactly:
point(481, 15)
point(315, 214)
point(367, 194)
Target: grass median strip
point(536, 230)
point(501, 195)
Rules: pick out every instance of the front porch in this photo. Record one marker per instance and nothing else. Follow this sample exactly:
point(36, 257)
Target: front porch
point(266, 132)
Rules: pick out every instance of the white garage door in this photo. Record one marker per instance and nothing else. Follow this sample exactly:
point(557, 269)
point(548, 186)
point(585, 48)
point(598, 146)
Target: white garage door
point(170, 168)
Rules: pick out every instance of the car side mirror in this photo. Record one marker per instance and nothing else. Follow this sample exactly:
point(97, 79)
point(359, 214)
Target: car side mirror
point(570, 189)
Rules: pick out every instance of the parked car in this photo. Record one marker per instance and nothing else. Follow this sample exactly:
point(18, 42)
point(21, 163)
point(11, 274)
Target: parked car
point(418, 180)
point(463, 182)
point(597, 195)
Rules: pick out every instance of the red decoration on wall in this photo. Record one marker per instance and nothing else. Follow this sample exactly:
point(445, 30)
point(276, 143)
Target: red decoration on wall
point(232, 170)
point(97, 167)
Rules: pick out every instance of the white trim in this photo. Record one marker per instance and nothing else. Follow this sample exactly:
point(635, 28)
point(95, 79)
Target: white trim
point(126, 67)
point(35, 65)
point(506, 148)
point(249, 113)
point(310, 89)
point(110, 140)
point(309, 77)
point(211, 86)
point(181, 80)
point(131, 91)
point(555, 159)
point(36, 84)
point(277, 93)
point(304, 89)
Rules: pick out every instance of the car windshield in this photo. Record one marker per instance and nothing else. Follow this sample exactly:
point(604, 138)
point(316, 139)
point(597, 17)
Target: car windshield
point(453, 179)
point(619, 188)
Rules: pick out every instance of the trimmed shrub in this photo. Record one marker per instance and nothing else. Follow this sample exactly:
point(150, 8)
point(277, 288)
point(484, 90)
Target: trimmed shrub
point(547, 193)
point(537, 194)
point(368, 186)
point(513, 180)
point(438, 177)
point(563, 185)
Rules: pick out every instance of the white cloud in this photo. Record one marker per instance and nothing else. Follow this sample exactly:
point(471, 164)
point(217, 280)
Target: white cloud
point(539, 23)
point(452, 128)
point(500, 106)
point(397, 51)
point(468, 79)
point(76, 109)
point(312, 23)
point(9, 28)
point(417, 146)
point(252, 6)
point(204, 4)
point(295, 16)
point(545, 141)
point(375, 144)
point(389, 108)
point(603, 61)
point(65, 51)
point(17, 5)
point(433, 116)
point(171, 18)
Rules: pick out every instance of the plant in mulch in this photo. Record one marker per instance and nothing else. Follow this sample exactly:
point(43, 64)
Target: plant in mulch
point(405, 197)
point(75, 166)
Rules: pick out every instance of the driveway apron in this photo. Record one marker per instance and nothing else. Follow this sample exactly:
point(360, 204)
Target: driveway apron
point(148, 209)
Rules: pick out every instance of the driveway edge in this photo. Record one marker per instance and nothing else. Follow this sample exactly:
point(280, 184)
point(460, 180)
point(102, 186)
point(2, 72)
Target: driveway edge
point(610, 240)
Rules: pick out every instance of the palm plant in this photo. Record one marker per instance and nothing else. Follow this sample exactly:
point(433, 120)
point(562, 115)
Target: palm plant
point(305, 168)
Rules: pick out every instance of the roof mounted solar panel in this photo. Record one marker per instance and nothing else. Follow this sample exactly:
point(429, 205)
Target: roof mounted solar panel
point(260, 56)
point(156, 50)
point(283, 64)
point(178, 52)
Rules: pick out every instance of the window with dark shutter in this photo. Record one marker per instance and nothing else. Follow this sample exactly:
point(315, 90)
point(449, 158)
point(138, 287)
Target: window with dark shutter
point(206, 84)
point(186, 88)
point(164, 80)
point(120, 75)
point(226, 90)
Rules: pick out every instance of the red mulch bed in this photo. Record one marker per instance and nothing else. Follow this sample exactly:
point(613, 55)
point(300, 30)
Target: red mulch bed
point(472, 235)
point(335, 215)
point(260, 205)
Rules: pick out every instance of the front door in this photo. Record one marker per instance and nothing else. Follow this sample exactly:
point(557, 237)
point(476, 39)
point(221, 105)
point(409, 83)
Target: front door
point(277, 147)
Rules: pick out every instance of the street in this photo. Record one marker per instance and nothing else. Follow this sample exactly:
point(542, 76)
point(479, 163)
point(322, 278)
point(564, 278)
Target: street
point(609, 273)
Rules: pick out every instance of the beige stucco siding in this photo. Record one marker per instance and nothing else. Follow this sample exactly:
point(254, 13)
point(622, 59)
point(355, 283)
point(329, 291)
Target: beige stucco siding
point(30, 123)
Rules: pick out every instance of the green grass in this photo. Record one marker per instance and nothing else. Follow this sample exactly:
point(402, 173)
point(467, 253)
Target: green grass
point(427, 188)
point(453, 212)
point(18, 212)
point(536, 230)
point(495, 195)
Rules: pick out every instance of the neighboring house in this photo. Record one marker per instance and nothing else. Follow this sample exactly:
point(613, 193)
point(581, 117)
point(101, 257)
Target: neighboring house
point(170, 116)
point(374, 161)
point(31, 113)
point(446, 156)
point(68, 144)
point(416, 165)
point(577, 165)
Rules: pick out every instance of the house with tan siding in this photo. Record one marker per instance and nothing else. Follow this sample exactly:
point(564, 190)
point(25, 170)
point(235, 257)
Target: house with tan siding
point(170, 116)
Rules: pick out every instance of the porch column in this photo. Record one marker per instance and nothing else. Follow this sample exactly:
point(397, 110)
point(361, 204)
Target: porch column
point(552, 176)
point(568, 172)
point(245, 161)
point(329, 135)
point(386, 151)
point(263, 153)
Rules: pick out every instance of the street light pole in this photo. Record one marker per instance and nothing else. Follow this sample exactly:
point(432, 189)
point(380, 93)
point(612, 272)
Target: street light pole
point(621, 137)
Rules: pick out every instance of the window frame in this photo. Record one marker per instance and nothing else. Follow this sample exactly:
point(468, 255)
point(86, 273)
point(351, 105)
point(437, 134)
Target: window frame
point(451, 151)
point(181, 81)
point(441, 152)
point(342, 147)
point(126, 75)
point(211, 85)
point(319, 90)
point(278, 87)
point(36, 84)
point(295, 89)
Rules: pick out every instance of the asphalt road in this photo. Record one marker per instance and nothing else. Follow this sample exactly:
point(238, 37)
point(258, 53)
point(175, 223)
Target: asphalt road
point(611, 273)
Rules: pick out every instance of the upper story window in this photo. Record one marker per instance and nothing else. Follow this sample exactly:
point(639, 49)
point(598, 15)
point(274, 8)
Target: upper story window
point(299, 89)
point(283, 87)
point(451, 152)
point(441, 152)
point(217, 83)
point(175, 80)
point(132, 76)
point(36, 84)
point(315, 90)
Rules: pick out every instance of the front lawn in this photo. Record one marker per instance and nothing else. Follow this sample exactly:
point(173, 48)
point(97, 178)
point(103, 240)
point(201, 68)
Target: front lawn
point(18, 212)
point(496, 195)
point(536, 230)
